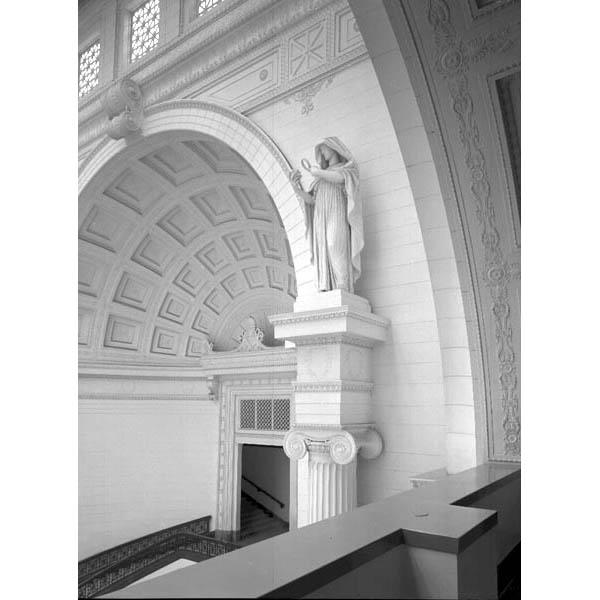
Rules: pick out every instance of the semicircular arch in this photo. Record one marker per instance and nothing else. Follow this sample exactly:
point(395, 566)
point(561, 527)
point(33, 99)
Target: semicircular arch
point(248, 140)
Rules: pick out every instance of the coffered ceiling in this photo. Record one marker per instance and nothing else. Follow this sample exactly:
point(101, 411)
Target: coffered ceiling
point(179, 241)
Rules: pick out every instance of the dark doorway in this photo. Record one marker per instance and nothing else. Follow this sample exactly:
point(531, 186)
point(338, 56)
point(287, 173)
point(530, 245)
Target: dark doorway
point(265, 493)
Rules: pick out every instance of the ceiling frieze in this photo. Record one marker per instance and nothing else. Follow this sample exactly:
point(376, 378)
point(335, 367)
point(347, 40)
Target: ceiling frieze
point(205, 33)
point(197, 64)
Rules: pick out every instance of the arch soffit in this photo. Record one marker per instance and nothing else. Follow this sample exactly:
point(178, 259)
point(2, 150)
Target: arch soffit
point(243, 136)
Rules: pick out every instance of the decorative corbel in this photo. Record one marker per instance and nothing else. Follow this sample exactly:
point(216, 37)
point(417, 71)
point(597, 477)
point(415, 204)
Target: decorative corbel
point(212, 388)
point(122, 104)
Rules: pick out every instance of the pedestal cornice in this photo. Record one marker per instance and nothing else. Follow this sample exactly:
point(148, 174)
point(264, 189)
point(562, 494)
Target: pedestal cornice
point(331, 325)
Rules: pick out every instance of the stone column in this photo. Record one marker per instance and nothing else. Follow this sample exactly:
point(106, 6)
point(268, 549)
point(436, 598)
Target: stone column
point(332, 464)
point(334, 333)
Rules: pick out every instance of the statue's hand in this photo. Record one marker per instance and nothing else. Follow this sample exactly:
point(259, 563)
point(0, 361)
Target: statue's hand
point(295, 177)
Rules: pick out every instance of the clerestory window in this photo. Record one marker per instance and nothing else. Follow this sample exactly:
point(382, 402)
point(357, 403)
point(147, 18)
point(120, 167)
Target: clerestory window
point(89, 68)
point(205, 5)
point(145, 29)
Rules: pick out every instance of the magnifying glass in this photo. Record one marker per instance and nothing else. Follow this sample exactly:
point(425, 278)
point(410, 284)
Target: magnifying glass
point(305, 164)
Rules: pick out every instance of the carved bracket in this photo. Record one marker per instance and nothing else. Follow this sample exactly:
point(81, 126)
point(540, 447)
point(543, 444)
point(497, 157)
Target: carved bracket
point(122, 104)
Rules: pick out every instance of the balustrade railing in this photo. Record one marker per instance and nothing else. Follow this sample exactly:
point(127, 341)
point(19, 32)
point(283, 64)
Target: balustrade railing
point(263, 491)
point(120, 566)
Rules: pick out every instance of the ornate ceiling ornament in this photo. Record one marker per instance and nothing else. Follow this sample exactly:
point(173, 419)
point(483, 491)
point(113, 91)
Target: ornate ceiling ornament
point(251, 337)
point(305, 95)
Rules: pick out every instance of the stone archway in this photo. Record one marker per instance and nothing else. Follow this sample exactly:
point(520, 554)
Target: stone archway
point(442, 230)
point(243, 136)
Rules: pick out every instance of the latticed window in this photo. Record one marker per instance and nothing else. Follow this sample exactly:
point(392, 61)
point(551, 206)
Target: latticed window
point(145, 23)
point(89, 67)
point(265, 414)
point(205, 5)
point(247, 414)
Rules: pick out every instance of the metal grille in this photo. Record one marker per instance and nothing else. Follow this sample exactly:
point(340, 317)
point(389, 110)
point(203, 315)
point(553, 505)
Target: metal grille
point(205, 5)
point(89, 67)
point(247, 414)
point(281, 414)
point(265, 414)
point(145, 29)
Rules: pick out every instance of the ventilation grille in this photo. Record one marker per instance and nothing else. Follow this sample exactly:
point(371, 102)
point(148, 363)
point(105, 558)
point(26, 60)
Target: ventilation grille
point(265, 414)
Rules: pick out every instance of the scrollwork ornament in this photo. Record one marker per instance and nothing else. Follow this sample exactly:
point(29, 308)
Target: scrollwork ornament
point(294, 445)
point(343, 448)
point(371, 444)
point(452, 62)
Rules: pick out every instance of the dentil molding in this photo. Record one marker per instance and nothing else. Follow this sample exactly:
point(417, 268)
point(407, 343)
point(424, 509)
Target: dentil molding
point(332, 386)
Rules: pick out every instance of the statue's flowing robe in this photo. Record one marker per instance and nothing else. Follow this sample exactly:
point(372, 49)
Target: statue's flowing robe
point(334, 223)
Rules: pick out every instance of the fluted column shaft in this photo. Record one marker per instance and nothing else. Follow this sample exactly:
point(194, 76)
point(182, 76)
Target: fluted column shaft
point(332, 488)
point(332, 466)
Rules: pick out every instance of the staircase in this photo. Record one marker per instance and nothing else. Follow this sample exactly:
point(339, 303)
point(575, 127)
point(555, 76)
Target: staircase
point(257, 522)
point(119, 567)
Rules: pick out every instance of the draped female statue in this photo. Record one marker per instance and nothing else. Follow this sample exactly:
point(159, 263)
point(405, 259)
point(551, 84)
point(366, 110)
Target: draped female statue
point(333, 214)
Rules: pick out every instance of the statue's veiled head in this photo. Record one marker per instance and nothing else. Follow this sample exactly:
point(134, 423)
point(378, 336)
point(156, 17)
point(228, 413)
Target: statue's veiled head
point(331, 148)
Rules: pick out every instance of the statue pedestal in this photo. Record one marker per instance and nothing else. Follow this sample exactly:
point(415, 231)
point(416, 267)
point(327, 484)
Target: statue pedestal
point(334, 333)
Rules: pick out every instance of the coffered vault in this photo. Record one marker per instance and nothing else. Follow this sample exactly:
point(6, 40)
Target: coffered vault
point(179, 241)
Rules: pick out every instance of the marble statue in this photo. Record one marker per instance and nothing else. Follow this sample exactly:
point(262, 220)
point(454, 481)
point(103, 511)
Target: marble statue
point(333, 213)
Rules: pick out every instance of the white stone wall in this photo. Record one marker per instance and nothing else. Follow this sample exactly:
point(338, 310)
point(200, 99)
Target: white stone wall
point(409, 396)
point(409, 264)
point(144, 464)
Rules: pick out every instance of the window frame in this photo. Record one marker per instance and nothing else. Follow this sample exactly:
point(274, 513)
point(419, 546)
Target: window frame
point(82, 50)
point(129, 37)
point(197, 5)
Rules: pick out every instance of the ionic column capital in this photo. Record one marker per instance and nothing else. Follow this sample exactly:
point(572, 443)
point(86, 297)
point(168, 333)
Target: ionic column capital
point(342, 445)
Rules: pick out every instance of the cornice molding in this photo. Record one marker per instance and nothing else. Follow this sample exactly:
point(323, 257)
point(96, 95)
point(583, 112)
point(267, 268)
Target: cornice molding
point(125, 397)
point(167, 59)
point(332, 386)
point(217, 363)
point(335, 338)
point(101, 368)
point(168, 73)
point(257, 361)
point(166, 56)
point(256, 385)
point(327, 314)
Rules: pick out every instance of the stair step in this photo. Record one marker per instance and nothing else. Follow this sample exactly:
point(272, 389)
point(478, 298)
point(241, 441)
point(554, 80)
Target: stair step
point(253, 530)
point(257, 516)
point(259, 537)
point(258, 523)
